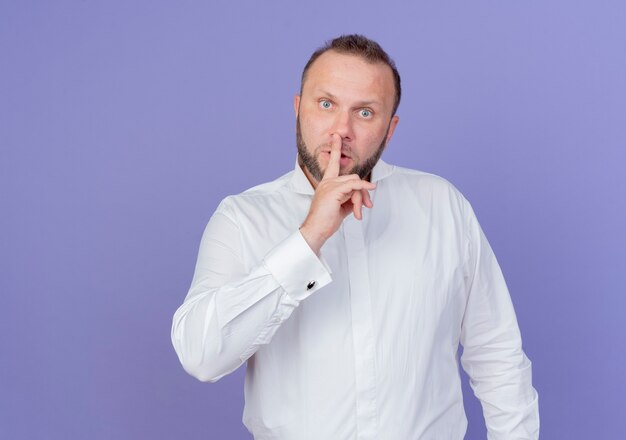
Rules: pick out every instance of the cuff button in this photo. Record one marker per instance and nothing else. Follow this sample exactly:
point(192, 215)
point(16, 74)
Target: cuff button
point(310, 285)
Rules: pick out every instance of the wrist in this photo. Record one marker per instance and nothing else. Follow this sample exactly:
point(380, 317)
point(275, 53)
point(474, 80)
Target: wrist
point(313, 239)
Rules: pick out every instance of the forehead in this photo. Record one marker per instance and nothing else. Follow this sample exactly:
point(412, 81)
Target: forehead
point(350, 76)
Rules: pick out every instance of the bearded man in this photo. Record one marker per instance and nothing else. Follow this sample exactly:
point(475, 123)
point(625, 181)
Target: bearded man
point(347, 284)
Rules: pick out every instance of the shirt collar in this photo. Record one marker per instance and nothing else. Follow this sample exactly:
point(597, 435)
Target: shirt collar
point(301, 185)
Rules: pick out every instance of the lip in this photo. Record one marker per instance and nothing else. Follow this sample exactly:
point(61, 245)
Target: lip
point(344, 161)
point(343, 155)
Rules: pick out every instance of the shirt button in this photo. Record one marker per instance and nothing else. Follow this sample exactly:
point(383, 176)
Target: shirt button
point(310, 285)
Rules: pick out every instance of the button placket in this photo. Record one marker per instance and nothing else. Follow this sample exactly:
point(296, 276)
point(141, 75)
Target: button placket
point(362, 331)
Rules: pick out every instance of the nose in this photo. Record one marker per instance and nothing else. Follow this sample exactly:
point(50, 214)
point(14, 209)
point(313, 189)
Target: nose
point(342, 125)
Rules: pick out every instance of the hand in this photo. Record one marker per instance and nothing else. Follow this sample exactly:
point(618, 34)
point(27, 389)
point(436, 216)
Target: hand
point(335, 198)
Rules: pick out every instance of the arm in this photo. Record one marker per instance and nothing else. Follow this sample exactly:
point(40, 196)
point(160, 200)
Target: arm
point(228, 313)
point(499, 371)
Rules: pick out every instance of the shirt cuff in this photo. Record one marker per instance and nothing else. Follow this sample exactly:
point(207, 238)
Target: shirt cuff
point(296, 267)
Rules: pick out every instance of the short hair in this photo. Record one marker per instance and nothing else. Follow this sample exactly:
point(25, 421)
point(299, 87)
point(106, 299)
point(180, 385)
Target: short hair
point(363, 47)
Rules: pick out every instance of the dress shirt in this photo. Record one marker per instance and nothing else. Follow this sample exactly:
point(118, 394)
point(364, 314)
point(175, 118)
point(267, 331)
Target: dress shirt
point(360, 342)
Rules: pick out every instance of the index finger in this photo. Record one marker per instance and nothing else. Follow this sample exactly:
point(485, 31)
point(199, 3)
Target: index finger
point(332, 170)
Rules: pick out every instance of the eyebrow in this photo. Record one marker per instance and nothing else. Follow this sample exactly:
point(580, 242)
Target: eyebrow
point(359, 104)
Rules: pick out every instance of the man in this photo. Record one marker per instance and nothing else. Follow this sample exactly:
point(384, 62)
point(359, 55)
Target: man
point(347, 284)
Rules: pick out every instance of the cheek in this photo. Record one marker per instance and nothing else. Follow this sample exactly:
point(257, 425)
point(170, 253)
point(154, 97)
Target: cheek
point(368, 141)
point(314, 126)
point(314, 133)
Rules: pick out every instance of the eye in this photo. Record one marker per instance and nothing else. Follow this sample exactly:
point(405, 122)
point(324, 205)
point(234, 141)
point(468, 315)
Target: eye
point(325, 103)
point(365, 113)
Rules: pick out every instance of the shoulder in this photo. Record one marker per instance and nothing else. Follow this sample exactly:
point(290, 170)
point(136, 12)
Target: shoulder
point(431, 199)
point(423, 182)
point(257, 195)
point(425, 191)
point(418, 176)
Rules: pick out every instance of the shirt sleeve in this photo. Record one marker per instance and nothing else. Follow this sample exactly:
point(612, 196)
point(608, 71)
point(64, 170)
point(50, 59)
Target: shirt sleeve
point(499, 371)
point(230, 312)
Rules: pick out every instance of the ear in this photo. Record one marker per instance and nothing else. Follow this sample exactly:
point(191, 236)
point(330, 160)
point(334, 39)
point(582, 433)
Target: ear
point(296, 104)
point(392, 127)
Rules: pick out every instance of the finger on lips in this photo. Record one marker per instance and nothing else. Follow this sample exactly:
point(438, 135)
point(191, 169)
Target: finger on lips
point(332, 170)
point(351, 186)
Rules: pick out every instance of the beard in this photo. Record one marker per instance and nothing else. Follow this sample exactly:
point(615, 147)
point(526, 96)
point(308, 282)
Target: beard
point(306, 159)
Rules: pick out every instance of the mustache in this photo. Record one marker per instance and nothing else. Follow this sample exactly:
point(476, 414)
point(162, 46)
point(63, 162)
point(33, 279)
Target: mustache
point(345, 149)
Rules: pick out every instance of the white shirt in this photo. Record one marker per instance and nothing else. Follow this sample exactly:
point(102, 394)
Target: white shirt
point(361, 342)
